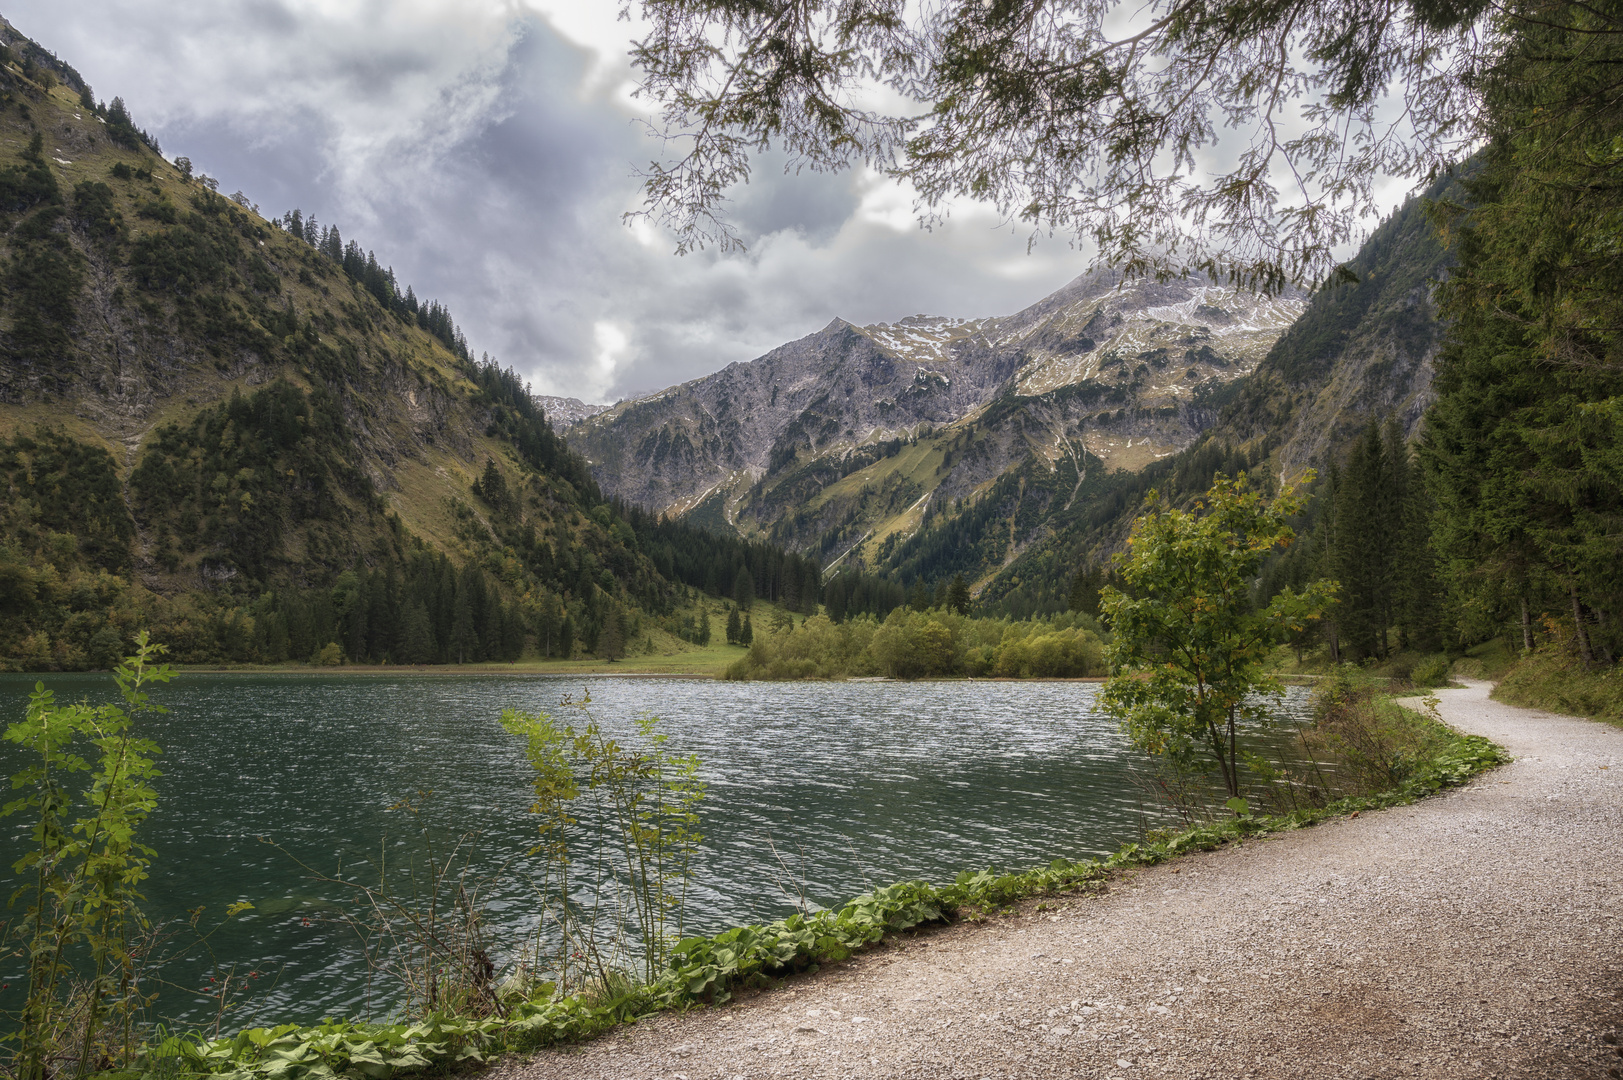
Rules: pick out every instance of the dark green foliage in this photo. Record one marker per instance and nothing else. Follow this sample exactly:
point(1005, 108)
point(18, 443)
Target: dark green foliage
point(414, 609)
point(44, 281)
point(65, 537)
point(233, 481)
point(850, 593)
point(55, 484)
point(27, 185)
point(122, 130)
point(44, 276)
point(1524, 446)
point(159, 210)
point(1085, 588)
point(1368, 529)
point(95, 211)
point(712, 562)
point(198, 253)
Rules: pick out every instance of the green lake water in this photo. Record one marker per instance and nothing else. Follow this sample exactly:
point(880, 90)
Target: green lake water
point(856, 784)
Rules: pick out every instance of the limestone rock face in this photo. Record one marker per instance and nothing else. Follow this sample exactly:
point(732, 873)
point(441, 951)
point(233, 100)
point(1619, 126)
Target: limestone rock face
point(564, 412)
point(1125, 371)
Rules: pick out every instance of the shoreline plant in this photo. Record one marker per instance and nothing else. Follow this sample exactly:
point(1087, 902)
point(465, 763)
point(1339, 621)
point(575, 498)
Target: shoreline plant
point(86, 863)
point(1188, 652)
point(629, 811)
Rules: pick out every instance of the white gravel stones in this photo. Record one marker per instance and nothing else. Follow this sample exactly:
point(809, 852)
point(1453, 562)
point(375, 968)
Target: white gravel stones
point(1476, 934)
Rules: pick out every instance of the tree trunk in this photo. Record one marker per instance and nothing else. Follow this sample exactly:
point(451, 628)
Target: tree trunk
point(1527, 627)
point(1233, 776)
point(1584, 651)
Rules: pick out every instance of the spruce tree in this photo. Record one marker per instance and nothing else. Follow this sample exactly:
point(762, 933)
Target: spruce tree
point(464, 641)
point(417, 639)
point(1367, 531)
point(611, 643)
point(734, 626)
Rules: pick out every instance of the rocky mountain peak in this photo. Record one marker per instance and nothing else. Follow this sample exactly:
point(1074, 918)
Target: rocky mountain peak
point(1119, 368)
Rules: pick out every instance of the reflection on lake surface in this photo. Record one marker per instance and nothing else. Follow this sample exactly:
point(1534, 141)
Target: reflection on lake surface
point(857, 784)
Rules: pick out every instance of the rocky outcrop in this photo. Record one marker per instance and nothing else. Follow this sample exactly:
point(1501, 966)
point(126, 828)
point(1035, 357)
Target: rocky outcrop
point(811, 437)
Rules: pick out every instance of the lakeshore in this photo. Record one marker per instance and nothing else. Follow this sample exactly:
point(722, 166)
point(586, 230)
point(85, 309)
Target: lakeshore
point(1473, 934)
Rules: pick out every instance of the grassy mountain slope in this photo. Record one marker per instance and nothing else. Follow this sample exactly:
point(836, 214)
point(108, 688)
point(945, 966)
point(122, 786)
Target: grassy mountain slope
point(206, 420)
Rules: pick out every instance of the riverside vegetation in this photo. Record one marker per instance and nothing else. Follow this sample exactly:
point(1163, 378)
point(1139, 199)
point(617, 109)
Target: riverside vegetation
point(615, 826)
point(910, 644)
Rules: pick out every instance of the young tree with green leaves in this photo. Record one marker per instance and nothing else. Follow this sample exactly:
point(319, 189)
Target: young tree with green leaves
point(86, 866)
point(1187, 649)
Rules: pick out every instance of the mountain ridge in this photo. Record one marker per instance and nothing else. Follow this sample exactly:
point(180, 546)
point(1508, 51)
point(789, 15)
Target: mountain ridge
point(777, 435)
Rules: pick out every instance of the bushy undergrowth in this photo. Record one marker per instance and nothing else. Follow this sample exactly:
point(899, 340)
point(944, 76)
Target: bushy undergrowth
point(707, 970)
point(921, 644)
point(1375, 745)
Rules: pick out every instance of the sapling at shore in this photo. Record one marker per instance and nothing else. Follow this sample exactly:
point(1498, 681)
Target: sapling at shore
point(1187, 653)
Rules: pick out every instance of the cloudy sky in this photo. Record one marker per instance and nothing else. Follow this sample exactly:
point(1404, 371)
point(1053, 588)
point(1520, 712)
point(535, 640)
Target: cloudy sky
point(485, 150)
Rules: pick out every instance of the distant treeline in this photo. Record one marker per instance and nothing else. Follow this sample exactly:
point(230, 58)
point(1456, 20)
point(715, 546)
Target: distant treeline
point(723, 565)
point(909, 644)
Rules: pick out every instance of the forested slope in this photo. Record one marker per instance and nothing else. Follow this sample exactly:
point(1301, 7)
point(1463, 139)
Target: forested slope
point(245, 435)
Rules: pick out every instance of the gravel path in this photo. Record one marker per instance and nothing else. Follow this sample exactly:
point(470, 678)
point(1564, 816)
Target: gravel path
point(1476, 934)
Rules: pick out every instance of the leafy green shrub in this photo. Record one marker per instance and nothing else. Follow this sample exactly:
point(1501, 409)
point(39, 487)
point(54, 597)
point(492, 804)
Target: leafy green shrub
point(25, 186)
point(94, 208)
point(80, 916)
point(1374, 744)
point(1432, 671)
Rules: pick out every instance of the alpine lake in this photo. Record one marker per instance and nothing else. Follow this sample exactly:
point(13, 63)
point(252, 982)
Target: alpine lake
point(821, 790)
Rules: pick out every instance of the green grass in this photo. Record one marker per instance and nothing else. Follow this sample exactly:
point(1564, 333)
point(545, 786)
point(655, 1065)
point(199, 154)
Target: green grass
point(1553, 680)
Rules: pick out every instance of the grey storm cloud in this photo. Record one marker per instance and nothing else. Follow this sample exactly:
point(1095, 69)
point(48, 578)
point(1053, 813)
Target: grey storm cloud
point(481, 154)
